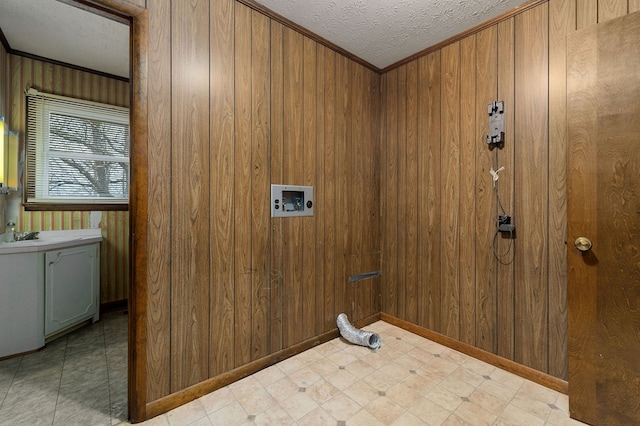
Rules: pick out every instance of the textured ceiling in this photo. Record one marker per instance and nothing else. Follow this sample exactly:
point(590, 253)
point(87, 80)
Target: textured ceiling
point(380, 32)
point(54, 30)
point(383, 32)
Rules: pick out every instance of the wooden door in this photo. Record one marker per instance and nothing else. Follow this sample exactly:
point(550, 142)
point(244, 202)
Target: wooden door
point(603, 95)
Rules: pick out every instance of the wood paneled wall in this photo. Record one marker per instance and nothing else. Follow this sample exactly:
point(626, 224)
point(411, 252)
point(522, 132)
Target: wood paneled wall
point(23, 73)
point(237, 101)
point(438, 234)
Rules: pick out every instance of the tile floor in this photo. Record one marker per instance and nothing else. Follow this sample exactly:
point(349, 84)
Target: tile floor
point(78, 379)
point(408, 381)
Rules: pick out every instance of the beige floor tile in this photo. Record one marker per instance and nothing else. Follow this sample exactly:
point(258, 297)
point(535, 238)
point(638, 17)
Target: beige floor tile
point(473, 414)
point(290, 365)
point(341, 407)
point(245, 387)
point(322, 391)
point(532, 406)
point(269, 375)
point(324, 367)
point(408, 419)
point(486, 401)
point(257, 402)
point(232, 414)
point(341, 379)
point(479, 367)
point(305, 376)
point(559, 418)
point(420, 384)
point(464, 375)
point(329, 347)
point(454, 420)
point(444, 398)
point(515, 416)
point(456, 387)
point(361, 392)
point(359, 368)
point(429, 412)
point(341, 358)
point(317, 417)
point(364, 418)
point(498, 390)
point(299, 405)
point(283, 389)
point(537, 392)
point(218, 399)
point(379, 380)
point(187, 413)
point(384, 409)
point(508, 379)
point(403, 395)
point(274, 415)
point(408, 381)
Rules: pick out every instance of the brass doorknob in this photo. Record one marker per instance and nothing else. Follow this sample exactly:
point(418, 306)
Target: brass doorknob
point(583, 244)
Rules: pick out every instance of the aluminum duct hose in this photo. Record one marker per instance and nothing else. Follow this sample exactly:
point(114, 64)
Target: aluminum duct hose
point(353, 335)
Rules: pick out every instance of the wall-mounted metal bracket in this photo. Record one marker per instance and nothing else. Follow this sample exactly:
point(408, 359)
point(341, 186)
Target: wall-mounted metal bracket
point(496, 123)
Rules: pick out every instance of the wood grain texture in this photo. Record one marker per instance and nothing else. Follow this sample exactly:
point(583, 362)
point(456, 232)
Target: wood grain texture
point(519, 316)
point(293, 174)
point(222, 199)
point(402, 195)
point(618, 220)
point(329, 201)
point(411, 197)
point(507, 248)
point(320, 189)
point(138, 294)
point(561, 21)
point(260, 184)
point(430, 192)
point(531, 84)
point(343, 302)
point(242, 171)
point(618, 211)
point(190, 206)
point(309, 178)
point(634, 6)
point(586, 13)
point(486, 264)
point(276, 317)
point(581, 208)
point(610, 9)
point(450, 204)
point(468, 141)
point(357, 180)
point(389, 157)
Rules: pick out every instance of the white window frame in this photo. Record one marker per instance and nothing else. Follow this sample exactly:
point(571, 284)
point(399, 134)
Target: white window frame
point(40, 107)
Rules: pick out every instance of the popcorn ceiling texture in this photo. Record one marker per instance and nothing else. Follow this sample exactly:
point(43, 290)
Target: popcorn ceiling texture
point(383, 32)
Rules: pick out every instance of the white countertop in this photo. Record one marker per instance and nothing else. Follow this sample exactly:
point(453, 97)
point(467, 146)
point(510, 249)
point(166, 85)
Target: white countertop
point(48, 240)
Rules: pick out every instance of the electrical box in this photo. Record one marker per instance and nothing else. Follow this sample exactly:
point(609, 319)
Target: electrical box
point(291, 201)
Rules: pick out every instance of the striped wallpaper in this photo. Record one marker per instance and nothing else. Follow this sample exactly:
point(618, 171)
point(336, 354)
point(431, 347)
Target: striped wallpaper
point(23, 73)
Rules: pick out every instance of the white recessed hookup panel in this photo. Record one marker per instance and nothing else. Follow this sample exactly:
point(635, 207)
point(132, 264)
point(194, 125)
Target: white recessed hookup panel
point(291, 200)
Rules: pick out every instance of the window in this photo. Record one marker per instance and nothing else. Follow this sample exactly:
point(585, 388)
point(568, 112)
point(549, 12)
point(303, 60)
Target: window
point(77, 151)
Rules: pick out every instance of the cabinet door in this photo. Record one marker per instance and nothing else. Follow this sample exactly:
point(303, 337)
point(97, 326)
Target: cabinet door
point(72, 288)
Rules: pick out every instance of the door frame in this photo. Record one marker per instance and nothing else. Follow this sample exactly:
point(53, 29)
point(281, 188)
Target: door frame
point(136, 15)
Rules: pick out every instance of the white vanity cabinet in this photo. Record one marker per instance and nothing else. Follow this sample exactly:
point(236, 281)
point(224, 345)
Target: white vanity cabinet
point(72, 287)
point(21, 303)
point(47, 286)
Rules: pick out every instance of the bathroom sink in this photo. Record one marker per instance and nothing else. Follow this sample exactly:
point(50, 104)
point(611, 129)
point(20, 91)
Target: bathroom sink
point(52, 239)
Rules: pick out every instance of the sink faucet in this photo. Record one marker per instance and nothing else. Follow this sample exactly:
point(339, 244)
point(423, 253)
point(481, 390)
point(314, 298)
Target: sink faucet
point(24, 236)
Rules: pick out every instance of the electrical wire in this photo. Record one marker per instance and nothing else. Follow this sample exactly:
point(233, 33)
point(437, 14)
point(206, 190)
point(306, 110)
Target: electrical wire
point(500, 257)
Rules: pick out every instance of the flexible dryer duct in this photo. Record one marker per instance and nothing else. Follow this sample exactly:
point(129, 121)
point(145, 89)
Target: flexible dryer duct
point(353, 335)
